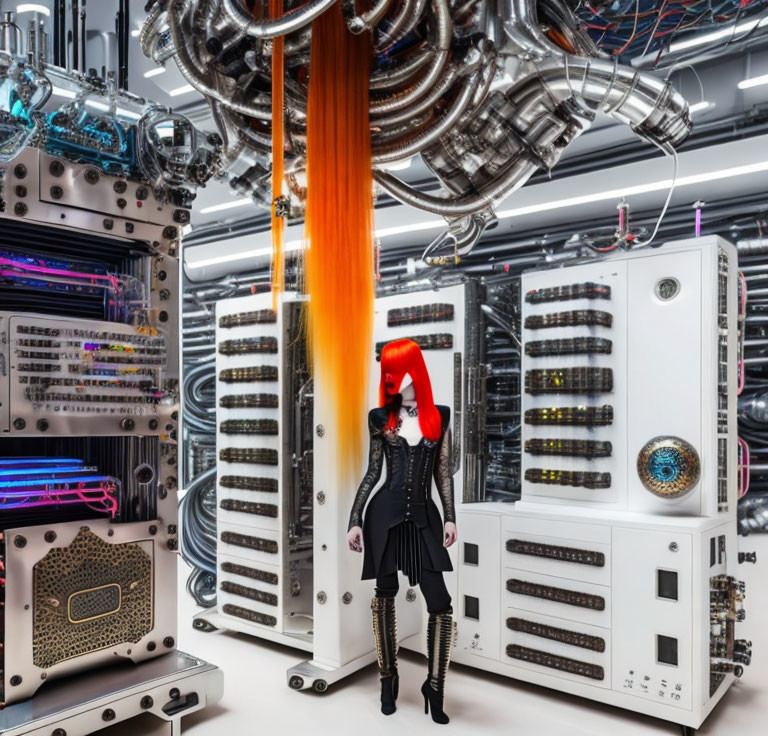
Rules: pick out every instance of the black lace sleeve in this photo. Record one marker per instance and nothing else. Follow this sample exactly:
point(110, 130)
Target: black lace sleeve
point(444, 473)
point(372, 475)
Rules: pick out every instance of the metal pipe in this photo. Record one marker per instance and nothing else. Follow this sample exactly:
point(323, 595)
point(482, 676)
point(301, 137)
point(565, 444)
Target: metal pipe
point(415, 144)
point(290, 22)
point(75, 42)
point(364, 21)
point(83, 64)
point(441, 45)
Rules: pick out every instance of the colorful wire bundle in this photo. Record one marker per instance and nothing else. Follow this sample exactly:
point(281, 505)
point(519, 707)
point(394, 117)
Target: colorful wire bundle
point(638, 27)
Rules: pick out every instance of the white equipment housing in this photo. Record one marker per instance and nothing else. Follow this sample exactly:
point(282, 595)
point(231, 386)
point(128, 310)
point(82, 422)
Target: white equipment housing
point(612, 593)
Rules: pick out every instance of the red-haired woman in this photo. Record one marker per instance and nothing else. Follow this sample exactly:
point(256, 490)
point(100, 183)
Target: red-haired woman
point(402, 530)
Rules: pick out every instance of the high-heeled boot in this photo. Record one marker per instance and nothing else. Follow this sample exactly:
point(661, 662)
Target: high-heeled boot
point(385, 634)
point(439, 642)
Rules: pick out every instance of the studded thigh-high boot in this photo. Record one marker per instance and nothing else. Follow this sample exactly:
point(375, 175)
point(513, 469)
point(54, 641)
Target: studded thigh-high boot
point(439, 642)
point(385, 634)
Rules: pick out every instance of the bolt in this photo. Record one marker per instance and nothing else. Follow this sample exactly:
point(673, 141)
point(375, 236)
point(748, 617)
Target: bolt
point(111, 533)
point(673, 547)
point(181, 216)
point(174, 693)
point(164, 294)
point(129, 227)
point(142, 193)
point(153, 424)
point(50, 537)
point(21, 190)
point(169, 642)
point(19, 423)
point(162, 275)
point(56, 168)
point(322, 597)
point(174, 415)
point(109, 223)
point(20, 171)
point(162, 492)
point(153, 529)
point(16, 680)
point(320, 430)
point(170, 232)
point(172, 544)
point(163, 316)
point(108, 715)
point(122, 203)
point(58, 732)
point(410, 595)
point(146, 702)
point(42, 425)
point(346, 598)
point(172, 529)
point(170, 482)
point(120, 187)
point(128, 424)
point(321, 497)
point(20, 209)
point(324, 548)
point(56, 192)
point(20, 541)
point(151, 646)
point(91, 176)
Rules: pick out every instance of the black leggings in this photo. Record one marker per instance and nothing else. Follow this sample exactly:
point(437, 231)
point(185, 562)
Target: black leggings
point(432, 587)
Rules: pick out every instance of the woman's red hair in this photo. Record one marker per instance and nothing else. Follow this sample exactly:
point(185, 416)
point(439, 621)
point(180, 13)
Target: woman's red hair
point(402, 357)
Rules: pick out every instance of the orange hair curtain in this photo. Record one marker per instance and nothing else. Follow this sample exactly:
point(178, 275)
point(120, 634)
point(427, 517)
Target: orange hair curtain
point(339, 227)
point(278, 151)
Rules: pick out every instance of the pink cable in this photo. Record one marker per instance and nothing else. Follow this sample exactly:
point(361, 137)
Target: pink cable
point(744, 467)
point(742, 315)
point(56, 271)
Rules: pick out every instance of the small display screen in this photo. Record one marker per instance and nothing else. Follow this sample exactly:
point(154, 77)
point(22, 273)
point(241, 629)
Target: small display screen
point(471, 554)
point(666, 650)
point(471, 607)
point(666, 584)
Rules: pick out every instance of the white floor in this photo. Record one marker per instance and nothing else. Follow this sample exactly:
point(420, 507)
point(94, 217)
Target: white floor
point(257, 699)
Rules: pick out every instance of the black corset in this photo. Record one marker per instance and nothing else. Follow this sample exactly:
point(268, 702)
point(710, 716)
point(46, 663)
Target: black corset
point(410, 470)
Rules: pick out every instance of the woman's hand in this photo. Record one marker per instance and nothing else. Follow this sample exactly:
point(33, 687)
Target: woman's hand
point(355, 539)
point(450, 533)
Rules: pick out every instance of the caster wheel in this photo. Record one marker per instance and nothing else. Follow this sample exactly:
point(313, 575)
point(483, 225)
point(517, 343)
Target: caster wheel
point(296, 682)
point(687, 731)
point(319, 686)
point(203, 625)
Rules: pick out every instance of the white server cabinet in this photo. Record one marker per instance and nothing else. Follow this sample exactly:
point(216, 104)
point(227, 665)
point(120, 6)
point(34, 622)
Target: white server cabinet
point(302, 587)
point(597, 583)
